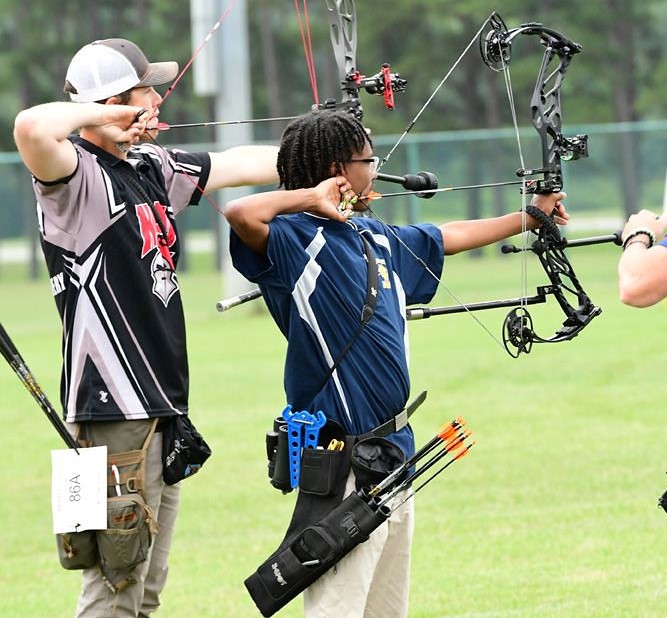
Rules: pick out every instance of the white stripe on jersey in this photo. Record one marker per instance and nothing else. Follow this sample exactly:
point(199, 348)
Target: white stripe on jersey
point(92, 341)
point(114, 208)
point(180, 166)
point(187, 168)
point(303, 288)
point(382, 241)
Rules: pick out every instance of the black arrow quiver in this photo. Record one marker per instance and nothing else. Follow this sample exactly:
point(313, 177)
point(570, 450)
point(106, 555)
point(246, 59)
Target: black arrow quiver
point(291, 569)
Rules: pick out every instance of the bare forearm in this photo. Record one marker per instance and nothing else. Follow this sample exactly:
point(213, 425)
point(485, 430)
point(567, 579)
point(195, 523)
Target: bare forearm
point(56, 120)
point(41, 133)
point(243, 165)
point(642, 275)
point(465, 235)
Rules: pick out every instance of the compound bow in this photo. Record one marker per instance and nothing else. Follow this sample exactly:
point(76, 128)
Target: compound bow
point(495, 41)
point(546, 115)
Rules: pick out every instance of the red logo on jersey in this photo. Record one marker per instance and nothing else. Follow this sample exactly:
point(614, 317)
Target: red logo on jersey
point(150, 231)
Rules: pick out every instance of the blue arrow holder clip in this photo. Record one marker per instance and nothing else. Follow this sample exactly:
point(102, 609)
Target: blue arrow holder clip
point(303, 429)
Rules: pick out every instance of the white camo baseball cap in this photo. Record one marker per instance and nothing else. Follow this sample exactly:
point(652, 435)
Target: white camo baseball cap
point(106, 68)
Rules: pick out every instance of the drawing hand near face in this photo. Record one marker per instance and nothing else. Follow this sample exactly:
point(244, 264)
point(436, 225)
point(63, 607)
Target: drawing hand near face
point(335, 199)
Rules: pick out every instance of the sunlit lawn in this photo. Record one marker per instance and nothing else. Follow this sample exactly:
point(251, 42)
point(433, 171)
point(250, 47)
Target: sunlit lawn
point(553, 514)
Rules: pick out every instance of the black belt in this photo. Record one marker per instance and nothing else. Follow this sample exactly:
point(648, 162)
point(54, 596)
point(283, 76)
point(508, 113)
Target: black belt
point(400, 420)
point(163, 422)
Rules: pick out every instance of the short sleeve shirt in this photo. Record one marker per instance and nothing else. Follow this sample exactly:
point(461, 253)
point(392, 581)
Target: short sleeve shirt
point(113, 277)
point(314, 281)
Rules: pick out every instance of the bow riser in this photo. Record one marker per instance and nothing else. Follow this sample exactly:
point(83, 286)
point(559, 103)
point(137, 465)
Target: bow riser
point(546, 116)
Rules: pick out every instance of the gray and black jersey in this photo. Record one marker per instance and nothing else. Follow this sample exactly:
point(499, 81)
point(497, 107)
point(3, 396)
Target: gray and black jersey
point(113, 276)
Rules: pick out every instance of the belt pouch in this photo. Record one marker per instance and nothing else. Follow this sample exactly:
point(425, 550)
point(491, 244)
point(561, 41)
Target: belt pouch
point(373, 459)
point(184, 451)
point(77, 550)
point(321, 485)
point(127, 539)
point(83, 550)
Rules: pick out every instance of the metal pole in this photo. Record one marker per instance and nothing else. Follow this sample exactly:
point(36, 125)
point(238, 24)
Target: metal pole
point(223, 70)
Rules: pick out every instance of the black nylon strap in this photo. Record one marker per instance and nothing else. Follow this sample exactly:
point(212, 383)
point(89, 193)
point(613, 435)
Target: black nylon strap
point(400, 420)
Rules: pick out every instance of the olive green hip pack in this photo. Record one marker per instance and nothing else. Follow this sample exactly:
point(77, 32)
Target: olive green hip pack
point(131, 524)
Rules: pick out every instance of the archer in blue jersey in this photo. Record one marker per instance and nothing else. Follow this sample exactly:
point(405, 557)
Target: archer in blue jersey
point(308, 256)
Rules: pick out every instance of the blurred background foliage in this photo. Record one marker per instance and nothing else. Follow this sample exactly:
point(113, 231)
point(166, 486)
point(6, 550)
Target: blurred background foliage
point(618, 78)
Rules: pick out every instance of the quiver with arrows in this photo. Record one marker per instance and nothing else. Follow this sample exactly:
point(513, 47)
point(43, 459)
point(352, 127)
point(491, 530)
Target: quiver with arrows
point(295, 566)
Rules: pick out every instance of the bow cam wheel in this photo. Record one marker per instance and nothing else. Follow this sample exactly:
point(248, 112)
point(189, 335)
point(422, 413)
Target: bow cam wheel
point(493, 47)
point(518, 332)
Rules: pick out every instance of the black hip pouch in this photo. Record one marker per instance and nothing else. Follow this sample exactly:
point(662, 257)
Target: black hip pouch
point(184, 451)
point(373, 460)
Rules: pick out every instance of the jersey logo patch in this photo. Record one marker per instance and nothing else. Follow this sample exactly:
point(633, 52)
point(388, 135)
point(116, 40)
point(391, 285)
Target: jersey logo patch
point(383, 273)
point(165, 283)
point(150, 231)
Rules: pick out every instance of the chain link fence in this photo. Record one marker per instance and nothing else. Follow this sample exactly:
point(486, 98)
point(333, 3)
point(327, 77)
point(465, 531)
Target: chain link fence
point(625, 171)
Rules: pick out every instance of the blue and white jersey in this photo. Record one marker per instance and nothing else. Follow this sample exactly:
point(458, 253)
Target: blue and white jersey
point(314, 282)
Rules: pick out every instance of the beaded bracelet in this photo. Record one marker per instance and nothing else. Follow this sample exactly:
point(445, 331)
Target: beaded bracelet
point(641, 230)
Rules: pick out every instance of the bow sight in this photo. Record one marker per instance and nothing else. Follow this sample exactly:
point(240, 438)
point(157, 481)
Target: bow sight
point(343, 30)
point(384, 83)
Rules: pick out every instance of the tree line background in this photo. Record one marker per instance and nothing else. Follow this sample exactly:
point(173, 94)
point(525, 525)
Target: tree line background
point(619, 76)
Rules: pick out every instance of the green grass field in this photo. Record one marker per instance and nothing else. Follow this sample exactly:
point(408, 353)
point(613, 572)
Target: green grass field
point(552, 515)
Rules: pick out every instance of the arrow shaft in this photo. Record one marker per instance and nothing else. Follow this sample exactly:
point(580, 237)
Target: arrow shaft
point(446, 189)
point(163, 126)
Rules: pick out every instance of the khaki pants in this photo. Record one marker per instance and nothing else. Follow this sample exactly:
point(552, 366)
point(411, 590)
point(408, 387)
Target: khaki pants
point(373, 580)
point(138, 600)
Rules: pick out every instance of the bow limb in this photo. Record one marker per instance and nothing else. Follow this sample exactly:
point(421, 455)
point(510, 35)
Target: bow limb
point(342, 18)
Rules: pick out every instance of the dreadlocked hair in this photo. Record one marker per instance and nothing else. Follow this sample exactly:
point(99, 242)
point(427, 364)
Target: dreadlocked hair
point(314, 143)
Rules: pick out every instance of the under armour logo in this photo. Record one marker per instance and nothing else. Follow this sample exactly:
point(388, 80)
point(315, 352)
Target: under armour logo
point(104, 396)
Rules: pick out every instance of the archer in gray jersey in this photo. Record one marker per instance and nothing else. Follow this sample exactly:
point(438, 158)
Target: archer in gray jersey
point(114, 279)
point(106, 206)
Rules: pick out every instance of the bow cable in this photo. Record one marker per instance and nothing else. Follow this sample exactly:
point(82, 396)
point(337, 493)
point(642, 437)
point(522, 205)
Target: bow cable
point(524, 236)
point(411, 124)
